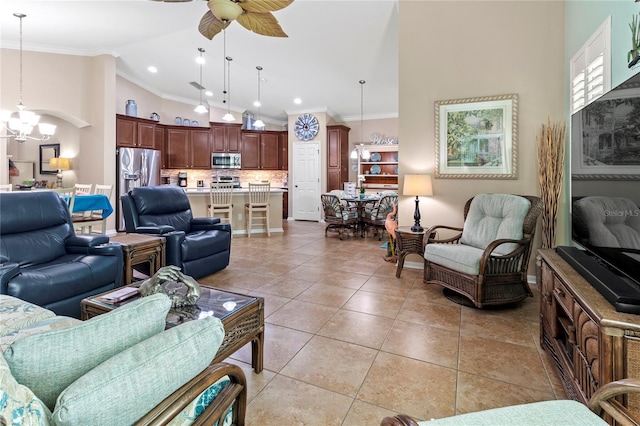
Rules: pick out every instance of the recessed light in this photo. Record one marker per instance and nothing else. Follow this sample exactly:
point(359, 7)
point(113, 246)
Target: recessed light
point(297, 101)
point(152, 69)
point(256, 103)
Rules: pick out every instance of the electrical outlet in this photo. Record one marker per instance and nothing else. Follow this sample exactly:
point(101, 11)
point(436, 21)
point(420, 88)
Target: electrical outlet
point(239, 216)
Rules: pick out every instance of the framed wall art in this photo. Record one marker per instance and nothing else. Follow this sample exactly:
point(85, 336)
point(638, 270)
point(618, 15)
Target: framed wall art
point(476, 138)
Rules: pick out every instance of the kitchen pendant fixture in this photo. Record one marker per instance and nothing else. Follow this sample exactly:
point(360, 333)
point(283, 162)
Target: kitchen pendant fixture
point(359, 151)
point(20, 127)
point(200, 109)
point(259, 123)
point(226, 71)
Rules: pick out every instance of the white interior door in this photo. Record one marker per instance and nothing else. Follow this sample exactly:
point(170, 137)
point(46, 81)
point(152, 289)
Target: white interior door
point(306, 180)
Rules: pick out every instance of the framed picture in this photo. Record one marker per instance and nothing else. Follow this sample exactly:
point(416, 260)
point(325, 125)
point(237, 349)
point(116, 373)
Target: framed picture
point(476, 138)
point(605, 142)
point(47, 152)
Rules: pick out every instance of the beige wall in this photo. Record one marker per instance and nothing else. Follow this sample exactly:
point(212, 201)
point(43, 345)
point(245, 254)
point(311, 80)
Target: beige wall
point(461, 49)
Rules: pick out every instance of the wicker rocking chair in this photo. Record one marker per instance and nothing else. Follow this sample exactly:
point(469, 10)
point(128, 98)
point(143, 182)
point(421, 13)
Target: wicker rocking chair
point(486, 262)
point(338, 216)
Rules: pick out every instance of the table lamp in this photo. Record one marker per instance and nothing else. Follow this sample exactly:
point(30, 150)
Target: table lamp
point(418, 185)
point(59, 163)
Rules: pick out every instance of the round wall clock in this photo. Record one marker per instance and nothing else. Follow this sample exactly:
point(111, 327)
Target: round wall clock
point(306, 127)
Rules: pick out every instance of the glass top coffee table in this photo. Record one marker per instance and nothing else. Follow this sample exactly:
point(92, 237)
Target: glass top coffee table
point(242, 317)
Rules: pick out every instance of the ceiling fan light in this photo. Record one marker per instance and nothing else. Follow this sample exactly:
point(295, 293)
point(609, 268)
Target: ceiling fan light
point(200, 109)
point(229, 117)
point(225, 10)
point(258, 123)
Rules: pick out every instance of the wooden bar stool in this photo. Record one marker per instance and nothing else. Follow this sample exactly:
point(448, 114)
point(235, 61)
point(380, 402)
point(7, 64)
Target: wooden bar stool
point(220, 197)
point(258, 203)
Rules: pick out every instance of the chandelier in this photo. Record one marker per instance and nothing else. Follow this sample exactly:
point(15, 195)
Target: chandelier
point(20, 127)
point(360, 151)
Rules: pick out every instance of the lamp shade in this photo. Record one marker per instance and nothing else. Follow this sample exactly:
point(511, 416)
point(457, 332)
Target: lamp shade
point(60, 163)
point(418, 185)
point(225, 10)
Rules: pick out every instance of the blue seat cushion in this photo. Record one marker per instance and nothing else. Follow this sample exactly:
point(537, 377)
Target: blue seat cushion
point(199, 244)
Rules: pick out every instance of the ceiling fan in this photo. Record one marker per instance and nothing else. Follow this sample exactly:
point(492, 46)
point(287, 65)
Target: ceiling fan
point(254, 15)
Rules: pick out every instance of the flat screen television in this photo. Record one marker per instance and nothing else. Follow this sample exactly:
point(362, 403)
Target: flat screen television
point(605, 195)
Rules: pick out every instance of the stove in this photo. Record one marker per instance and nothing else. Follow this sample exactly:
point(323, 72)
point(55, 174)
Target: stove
point(233, 179)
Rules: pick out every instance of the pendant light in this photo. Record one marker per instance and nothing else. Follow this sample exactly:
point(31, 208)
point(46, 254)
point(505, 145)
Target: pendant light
point(20, 127)
point(360, 150)
point(226, 71)
point(259, 123)
point(200, 109)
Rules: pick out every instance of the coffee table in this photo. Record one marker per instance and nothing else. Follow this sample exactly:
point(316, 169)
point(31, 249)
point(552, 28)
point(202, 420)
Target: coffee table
point(242, 317)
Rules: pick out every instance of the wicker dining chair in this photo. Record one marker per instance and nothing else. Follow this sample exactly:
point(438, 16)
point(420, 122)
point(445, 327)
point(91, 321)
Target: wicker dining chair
point(376, 217)
point(338, 216)
point(486, 261)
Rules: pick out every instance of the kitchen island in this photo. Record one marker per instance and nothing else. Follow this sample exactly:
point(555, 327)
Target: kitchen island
point(199, 199)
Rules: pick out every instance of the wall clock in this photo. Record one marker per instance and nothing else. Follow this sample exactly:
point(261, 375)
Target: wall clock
point(306, 127)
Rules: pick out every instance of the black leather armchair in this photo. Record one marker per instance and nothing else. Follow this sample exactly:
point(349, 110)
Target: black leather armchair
point(43, 262)
point(199, 246)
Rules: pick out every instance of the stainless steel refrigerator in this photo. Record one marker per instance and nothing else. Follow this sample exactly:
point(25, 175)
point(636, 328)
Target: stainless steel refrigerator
point(135, 167)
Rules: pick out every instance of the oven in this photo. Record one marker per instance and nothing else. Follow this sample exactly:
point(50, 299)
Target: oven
point(222, 160)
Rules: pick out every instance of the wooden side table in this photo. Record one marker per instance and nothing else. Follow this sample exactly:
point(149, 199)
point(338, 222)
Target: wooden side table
point(138, 249)
point(407, 242)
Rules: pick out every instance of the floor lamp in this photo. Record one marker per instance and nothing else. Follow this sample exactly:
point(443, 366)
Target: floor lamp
point(418, 185)
point(61, 164)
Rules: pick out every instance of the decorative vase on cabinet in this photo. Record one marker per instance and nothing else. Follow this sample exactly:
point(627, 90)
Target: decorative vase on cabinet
point(131, 109)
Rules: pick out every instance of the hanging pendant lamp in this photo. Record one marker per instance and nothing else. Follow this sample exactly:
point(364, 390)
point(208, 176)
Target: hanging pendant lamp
point(200, 109)
point(226, 71)
point(259, 123)
point(360, 150)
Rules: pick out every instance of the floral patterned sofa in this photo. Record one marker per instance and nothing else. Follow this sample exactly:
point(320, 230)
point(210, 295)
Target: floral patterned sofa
point(114, 369)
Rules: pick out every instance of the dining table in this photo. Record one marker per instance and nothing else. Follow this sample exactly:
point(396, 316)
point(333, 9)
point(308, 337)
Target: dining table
point(360, 203)
point(91, 202)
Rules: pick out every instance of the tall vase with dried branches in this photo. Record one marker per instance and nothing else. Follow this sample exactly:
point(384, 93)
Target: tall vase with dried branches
point(551, 141)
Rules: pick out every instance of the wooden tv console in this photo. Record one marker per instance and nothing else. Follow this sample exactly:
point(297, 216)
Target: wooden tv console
point(590, 343)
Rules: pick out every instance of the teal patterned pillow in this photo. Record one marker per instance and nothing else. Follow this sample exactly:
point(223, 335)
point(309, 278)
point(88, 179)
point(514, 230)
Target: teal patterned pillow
point(192, 411)
point(18, 405)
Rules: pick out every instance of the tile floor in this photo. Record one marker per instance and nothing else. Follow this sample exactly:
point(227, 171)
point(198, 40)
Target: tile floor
point(347, 343)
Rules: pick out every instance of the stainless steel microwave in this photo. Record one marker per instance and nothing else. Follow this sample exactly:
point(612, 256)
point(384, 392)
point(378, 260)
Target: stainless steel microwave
point(220, 160)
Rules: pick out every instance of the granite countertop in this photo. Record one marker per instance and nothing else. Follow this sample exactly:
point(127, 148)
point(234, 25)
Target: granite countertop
point(244, 190)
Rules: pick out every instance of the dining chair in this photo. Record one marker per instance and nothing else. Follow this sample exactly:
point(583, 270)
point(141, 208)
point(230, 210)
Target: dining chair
point(220, 197)
point(258, 203)
point(6, 187)
point(83, 188)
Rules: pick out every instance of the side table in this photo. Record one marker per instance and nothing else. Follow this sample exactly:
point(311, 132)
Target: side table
point(407, 241)
point(138, 249)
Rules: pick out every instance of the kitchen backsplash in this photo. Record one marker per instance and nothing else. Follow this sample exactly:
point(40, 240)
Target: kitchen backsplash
point(278, 178)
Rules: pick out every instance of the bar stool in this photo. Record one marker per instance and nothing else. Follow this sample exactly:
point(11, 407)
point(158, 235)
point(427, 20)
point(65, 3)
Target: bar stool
point(258, 203)
point(220, 196)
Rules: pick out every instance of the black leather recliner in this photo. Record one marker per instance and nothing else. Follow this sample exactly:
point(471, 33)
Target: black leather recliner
point(199, 246)
point(43, 262)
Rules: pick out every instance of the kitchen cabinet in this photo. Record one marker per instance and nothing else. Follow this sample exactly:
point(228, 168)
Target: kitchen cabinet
point(188, 148)
point(133, 132)
point(337, 156)
point(588, 342)
point(159, 144)
point(225, 137)
point(283, 149)
point(261, 150)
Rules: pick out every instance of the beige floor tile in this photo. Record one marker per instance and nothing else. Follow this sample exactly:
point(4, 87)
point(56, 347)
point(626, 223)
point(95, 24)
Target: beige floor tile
point(280, 345)
point(409, 386)
point(388, 286)
point(359, 328)
point(303, 316)
point(424, 343)
point(507, 362)
point(497, 325)
point(306, 273)
point(285, 401)
point(284, 287)
point(344, 279)
point(271, 302)
point(331, 364)
point(362, 414)
point(375, 304)
point(431, 314)
point(255, 382)
point(328, 295)
point(476, 393)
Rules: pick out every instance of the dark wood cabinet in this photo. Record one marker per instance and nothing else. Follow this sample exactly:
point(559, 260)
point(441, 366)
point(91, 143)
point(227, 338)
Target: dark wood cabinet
point(589, 343)
point(261, 150)
point(133, 132)
point(337, 156)
point(188, 148)
point(160, 143)
point(225, 137)
point(283, 149)
point(285, 205)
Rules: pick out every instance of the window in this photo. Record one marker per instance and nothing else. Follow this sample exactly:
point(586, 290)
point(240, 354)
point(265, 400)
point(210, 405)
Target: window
point(591, 68)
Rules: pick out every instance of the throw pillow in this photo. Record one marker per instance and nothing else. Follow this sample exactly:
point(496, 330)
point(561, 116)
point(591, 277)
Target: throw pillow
point(49, 362)
point(192, 411)
point(127, 386)
point(16, 314)
point(18, 405)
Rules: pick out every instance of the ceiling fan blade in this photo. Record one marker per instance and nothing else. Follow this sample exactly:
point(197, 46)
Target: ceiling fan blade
point(261, 23)
point(173, 1)
point(210, 25)
point(262, 6)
